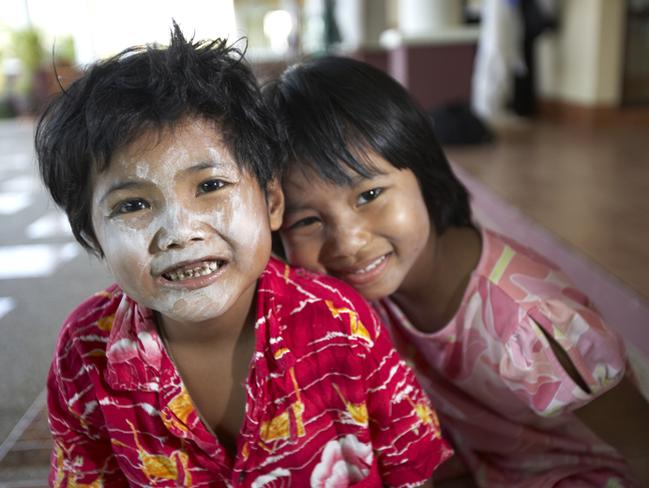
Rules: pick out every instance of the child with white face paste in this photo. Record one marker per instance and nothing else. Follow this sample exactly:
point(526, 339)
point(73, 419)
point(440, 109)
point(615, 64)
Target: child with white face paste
point(209, 362)
point(515, 359)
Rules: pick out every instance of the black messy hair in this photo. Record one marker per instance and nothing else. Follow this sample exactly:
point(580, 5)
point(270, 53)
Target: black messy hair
point(332, 110)
point(149, 88)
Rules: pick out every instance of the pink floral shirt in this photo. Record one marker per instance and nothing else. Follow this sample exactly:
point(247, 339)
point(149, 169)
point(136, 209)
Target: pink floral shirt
point(499, 390)
point(329, 402)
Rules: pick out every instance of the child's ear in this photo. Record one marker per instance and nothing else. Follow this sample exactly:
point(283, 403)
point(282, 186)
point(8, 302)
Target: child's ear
point(275, 201)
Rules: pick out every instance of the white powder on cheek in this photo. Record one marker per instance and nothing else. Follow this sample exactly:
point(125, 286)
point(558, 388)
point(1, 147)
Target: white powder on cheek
point(179, 224)
point(249, 237)
point(127, 256)
point(234, 228)
point(246, 231)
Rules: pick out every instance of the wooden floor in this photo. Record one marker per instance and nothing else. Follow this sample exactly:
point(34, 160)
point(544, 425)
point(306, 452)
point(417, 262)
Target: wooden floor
point(588, 184)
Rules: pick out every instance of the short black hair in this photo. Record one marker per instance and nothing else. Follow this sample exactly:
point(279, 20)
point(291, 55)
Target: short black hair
point(150, 88)
point(331, 110)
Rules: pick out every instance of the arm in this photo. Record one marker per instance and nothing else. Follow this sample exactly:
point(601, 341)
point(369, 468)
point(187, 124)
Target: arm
point(620, 417)
point(81, 454)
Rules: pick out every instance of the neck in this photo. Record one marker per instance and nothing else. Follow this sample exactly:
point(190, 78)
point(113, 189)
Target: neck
point(431, 297)
point(224, 330)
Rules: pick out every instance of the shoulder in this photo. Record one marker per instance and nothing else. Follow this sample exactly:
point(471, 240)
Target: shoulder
point(525, 291)
point(302, 296)
point(312, 290)
point(517, 276)
point(523, 275)
point(543, 317)
point(86, 329)
point(81, 346)
point(93, 314)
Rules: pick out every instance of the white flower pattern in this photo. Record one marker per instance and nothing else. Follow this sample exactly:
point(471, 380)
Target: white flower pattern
point(344, 461)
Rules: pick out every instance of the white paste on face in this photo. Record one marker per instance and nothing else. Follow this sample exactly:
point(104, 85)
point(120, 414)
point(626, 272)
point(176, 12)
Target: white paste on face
point(182, 223)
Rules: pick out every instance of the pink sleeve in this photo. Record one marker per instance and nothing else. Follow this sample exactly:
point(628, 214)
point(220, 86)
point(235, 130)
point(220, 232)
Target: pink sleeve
point(597, 353)
point(404, 427)
point(532, 371)
point(528, 298)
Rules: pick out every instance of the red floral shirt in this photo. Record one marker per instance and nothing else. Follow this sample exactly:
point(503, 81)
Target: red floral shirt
point(329, 402)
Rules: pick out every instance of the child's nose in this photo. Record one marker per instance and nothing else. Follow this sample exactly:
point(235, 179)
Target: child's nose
point(177, 230)
point(345, 240)
point(176, 239)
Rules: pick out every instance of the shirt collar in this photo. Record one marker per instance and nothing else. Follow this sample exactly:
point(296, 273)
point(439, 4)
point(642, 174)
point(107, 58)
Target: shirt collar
point(135, 350)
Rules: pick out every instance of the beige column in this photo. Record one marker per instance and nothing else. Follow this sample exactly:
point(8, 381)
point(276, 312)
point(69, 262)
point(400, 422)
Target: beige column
point(583, 62)
point(419, 18)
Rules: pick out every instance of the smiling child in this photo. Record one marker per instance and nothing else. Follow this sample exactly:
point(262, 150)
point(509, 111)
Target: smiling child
point(208, 363)
point(528, 379)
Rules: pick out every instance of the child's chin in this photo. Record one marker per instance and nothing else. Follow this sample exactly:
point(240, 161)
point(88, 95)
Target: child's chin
point(191, 309)
point(376, 291)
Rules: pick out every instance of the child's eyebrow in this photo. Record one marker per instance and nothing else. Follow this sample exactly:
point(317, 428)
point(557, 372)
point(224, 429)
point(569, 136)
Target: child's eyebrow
point(121, 185)
point(356, 179)
point(289, 208)
point(125, 185)
point(205, 165)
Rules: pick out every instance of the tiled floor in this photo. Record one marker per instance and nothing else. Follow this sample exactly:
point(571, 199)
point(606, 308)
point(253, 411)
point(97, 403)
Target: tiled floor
point(43, 273)
point(24, 461)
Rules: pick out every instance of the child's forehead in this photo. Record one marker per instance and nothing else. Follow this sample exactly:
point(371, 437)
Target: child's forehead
point(169, 147)
point(327, 172)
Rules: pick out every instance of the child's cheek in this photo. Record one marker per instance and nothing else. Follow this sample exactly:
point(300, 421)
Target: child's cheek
point(400, 217)
point(409, 225)
point(127, 256)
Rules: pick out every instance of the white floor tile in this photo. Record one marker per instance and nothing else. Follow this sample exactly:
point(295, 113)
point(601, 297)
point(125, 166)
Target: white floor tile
point(11, 203)
point(7, 304)
point(34, 260)
point(52, 224)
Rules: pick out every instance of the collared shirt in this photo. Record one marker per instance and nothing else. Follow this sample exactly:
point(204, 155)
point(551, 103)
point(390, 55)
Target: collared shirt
point(498, 387)
point(328, 399)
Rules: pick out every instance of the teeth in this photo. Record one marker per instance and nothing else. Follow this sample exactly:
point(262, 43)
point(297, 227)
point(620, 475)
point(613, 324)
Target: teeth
point(202, 270)
point(371, 266)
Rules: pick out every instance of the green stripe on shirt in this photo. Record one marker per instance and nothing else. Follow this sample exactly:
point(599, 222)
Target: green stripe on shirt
point(501, 264)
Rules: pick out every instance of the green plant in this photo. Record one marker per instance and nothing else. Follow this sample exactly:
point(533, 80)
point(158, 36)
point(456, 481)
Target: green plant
point(64, 50)
point(28, 48)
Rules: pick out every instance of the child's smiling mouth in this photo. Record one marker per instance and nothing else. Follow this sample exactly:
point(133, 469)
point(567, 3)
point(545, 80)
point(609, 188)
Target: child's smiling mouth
point(193, 274)
point(364, 274)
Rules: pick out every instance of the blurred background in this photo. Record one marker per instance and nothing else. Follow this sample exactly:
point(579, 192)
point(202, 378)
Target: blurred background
point(580, 52)
point(542, 107)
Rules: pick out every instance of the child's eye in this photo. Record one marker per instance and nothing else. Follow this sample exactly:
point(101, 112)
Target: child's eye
point(211, 185)
point(368, 196)
point(130, 206)
point(303, 223)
